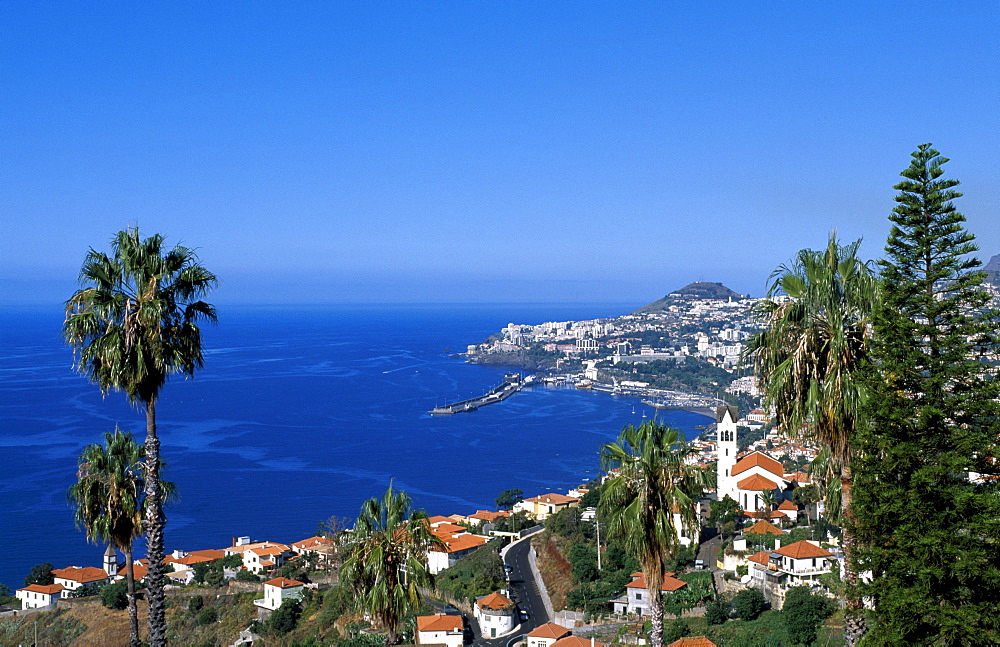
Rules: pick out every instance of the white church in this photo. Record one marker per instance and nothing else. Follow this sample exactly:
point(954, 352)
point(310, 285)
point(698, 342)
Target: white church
point(746, 479)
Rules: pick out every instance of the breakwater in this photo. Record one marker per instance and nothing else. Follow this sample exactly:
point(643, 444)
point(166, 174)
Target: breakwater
point(512, 383)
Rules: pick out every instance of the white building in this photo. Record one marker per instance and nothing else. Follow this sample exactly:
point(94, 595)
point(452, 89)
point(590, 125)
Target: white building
point(546, 635)
point(440, 629)
point(36, 596)
point(495, 614)
point(74, 577)
point(636, 598)
point(277, 591)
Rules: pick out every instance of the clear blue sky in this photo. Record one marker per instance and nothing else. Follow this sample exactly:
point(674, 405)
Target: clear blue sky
point(475, 151)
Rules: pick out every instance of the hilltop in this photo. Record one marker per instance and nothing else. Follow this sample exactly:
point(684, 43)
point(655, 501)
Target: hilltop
point(691, 291)
point(992, 270)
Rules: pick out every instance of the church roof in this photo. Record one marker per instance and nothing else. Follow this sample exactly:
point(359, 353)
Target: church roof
point(756, 482)
point(720, 412)
point(756, 459)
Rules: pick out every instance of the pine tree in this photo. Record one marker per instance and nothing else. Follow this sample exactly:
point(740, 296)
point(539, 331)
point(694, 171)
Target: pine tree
point(927, 509)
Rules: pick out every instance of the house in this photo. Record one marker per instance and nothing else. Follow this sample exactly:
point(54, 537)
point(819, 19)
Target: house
point(261, 556)
point(139, 569)
point(798, 564)
point(495, 614)
point(74, 577)
point(546, 635)
point(452, 549)
point(36, 596)
point(636, 598)
point(543, 506)
point(277, 591)
point(440, 629)
point(322, 547)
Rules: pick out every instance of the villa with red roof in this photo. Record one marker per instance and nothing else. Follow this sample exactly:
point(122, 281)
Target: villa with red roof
point(636, 598)
point(440, 629)
point(36, 596)
point(543, 506)
point(798, 564)
point(546, 635)
point(277, 591)
point(578, 641)
point(453, 548)
point(692, 641)
point(495, 614)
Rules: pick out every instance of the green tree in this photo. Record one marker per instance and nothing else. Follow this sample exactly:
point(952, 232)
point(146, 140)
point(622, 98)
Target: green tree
point(749, 604)
point(40, 574)
point(770, 500)
point(723, 512)
point(108, 499)
point(653, 482)
point(802, 613)
point(114, 595)
point(811, 357)
point(386, 562)
point(133, 323)
point(927, 501)
point(509, 498)
point(717, 611)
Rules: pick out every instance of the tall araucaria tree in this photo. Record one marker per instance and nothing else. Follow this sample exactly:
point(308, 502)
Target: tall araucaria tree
point(386, 559)
point(134, 322)
point(653, 482)
point(810, 358)
point(927, 506)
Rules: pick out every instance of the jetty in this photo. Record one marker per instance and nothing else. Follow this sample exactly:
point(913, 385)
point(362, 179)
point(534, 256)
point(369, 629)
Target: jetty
point(512, 383)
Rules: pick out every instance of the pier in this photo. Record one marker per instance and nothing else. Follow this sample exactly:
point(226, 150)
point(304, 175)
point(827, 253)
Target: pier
point(512, 383)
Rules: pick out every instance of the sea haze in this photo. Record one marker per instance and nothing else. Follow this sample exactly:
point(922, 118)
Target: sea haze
point(298, 414)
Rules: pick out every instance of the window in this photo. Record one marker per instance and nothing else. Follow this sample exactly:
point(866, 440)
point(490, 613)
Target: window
point(638, 596)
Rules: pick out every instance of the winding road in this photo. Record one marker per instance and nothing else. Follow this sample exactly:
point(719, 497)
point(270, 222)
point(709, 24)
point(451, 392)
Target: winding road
point(523, 591)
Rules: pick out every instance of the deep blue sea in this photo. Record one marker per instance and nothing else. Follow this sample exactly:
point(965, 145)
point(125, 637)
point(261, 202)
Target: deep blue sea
point(298, 414)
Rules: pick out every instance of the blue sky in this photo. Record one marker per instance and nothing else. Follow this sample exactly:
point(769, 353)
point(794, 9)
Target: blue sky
point(462, 151)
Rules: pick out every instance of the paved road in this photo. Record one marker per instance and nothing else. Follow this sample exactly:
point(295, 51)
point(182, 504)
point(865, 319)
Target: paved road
point(524, 592)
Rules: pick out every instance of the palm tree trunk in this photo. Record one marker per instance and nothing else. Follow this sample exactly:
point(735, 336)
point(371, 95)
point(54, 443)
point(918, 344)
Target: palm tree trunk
point(133, 612)
point(154, 532)
point(854, 619)
point(656, 609)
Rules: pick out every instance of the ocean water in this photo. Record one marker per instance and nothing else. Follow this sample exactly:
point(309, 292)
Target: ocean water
point(298, 414)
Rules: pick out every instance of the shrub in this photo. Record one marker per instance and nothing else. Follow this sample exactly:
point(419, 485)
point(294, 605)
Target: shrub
point(802, 612)
point(717, 611)
point(114, 595)
point(749, 604)
point(195, 604)
point(206, 616)
point(284, 618)
point(246, 576)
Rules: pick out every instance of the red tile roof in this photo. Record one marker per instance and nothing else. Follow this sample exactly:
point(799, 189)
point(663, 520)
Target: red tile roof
point(47, 589)
point(440, 622)
point(760, 558)
point(494, 601)
point(459, 543)
point(284, 582)
point(549, 630)
point(210, 553)
point(554, 499)
point(764, 527)
point(803, 550)
point(576, 641)
point(788, 505)
point(82, 575)
point(756, 459)
point(756, 482)
point(670, 584)
point(312, 542)
point(696, 641)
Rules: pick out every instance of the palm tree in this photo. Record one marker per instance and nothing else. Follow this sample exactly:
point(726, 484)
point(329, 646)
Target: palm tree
point(386, 561)
point(653, 483)
point(810, 357)
point(108, 498)
point(133, 323)
point(770, 501)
